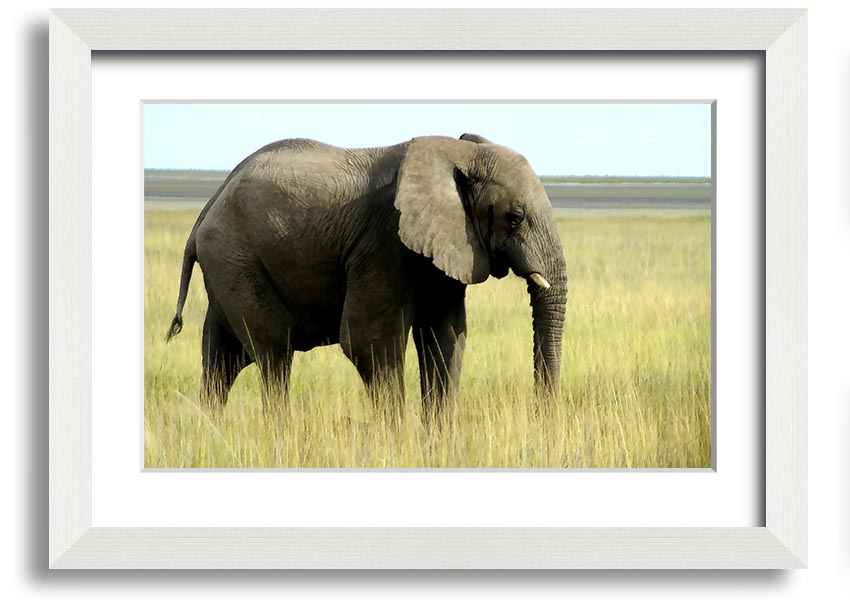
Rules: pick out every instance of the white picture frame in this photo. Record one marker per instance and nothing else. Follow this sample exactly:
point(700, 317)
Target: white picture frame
point(779, 34)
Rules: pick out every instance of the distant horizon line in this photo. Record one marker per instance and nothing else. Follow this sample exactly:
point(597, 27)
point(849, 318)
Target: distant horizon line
point(549, 176)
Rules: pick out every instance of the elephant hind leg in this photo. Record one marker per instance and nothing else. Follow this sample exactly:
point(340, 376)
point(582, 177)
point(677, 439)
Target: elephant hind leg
point(259, 319)
point(223, 358)
point(275, 369)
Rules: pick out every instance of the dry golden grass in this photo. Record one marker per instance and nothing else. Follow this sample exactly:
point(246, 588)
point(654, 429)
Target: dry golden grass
point(635, 380)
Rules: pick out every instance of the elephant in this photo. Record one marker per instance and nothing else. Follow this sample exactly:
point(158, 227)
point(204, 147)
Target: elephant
point(306, 244)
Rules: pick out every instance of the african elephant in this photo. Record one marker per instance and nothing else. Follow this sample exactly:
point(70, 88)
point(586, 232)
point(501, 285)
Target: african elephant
point(306, 244)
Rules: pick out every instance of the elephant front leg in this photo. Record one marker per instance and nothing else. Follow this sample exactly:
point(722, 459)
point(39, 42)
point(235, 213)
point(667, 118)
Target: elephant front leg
point(373, 336)
point(439, 332)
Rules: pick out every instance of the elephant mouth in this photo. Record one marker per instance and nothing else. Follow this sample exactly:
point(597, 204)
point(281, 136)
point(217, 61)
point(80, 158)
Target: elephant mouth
point(498, 267)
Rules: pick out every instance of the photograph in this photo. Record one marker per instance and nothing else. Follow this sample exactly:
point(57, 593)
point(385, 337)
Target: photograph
point(436, 291)
point(428, 285)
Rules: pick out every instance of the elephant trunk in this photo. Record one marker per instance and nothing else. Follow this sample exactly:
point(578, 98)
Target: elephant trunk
point(546, 274)
point(547, 314)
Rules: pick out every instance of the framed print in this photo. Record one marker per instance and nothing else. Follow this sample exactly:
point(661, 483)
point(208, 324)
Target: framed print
point(483, 408)
point(115, 503)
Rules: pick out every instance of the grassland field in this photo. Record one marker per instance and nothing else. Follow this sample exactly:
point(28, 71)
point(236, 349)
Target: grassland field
point(635, 381)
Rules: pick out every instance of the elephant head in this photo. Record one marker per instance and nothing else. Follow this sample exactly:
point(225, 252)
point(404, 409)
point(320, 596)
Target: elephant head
point(478, 209)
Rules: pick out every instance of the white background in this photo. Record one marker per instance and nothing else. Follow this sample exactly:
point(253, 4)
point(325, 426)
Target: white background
point(122, 496)
point(24, 359)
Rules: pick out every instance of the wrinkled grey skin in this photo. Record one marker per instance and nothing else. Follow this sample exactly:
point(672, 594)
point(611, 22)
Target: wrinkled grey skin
point(306, 244)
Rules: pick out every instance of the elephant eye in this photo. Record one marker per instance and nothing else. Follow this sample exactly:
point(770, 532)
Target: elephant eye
point(515, 217)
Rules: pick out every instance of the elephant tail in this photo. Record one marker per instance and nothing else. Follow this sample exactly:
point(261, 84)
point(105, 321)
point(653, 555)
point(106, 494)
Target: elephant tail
point(189, 259)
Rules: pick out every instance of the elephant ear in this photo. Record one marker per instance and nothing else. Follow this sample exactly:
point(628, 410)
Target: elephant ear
point(474, 137)
point(434, 221)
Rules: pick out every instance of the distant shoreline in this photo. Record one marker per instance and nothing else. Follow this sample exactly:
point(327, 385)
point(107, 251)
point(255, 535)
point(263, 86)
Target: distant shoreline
point(565, 192)
point(219, 175)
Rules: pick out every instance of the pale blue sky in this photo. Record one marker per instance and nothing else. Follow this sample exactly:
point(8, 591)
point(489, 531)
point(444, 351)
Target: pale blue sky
point(558, 139)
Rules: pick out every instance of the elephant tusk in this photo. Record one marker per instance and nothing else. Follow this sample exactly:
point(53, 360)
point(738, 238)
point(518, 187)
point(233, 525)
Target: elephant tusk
point(539, 280)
